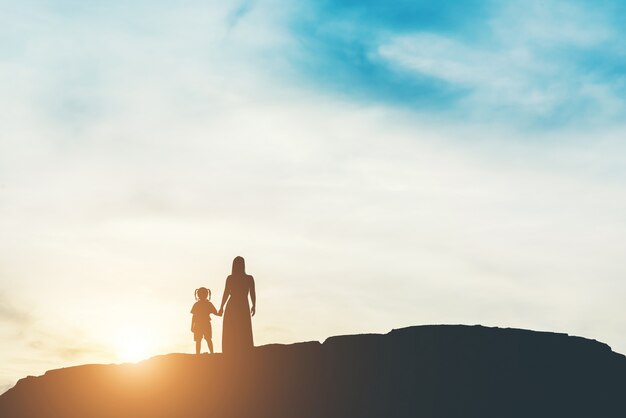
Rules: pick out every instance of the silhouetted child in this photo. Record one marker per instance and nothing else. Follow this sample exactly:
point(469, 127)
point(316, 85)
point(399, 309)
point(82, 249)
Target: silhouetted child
point(201, 319)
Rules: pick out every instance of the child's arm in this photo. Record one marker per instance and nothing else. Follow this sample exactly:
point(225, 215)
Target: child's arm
point(193, 323)
point(214, 311)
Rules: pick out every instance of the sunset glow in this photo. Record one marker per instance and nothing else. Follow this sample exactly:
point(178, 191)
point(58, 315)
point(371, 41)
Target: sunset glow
point(378, 165)
point(133, 349)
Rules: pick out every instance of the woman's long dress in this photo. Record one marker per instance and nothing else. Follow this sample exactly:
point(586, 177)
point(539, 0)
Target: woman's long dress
point(237, 326)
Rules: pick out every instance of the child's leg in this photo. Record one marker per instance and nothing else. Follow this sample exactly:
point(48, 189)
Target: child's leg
point(210, 343)
point(198, 343)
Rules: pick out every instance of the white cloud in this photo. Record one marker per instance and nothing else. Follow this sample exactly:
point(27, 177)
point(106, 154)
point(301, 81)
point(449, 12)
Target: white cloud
point(527, 65)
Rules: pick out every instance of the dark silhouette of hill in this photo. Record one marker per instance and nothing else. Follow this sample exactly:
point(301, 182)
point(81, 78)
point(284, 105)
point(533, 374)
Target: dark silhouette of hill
point(426, 371)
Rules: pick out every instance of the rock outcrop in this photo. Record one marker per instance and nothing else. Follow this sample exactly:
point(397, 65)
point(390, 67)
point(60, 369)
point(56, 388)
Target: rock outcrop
point(426, 371)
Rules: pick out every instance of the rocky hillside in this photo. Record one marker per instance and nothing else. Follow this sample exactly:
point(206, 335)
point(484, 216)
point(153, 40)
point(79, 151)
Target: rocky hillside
point(426, 371)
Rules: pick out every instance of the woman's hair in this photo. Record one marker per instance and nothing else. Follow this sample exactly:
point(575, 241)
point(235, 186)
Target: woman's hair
point(202, 293)
point(239, 266)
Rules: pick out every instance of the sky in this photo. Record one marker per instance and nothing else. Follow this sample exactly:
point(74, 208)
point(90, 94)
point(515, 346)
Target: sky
point(379, 164)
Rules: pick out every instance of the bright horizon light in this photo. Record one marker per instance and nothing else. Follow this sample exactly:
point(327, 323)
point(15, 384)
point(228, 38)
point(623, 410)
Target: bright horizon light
point(133, 348)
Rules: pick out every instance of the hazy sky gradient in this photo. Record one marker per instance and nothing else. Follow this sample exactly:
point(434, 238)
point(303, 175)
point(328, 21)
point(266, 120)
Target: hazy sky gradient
point(378, 164)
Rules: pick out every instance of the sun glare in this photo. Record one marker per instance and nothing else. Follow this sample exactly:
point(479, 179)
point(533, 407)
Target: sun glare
point(132, 350)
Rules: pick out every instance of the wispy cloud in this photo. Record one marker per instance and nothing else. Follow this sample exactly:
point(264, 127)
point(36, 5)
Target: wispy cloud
point(13, 316)
point(65, 347)
point(32, 347)
point(531, 66)
point(546, 64)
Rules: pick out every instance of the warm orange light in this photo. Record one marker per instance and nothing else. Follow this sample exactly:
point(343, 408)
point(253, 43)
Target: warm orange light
point(132, 349)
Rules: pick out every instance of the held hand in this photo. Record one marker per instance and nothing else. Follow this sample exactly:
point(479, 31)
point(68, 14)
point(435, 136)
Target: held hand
point(221, 312)
point(253, 310)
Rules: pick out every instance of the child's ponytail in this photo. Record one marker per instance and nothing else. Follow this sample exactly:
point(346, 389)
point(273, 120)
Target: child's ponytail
point(195, 294)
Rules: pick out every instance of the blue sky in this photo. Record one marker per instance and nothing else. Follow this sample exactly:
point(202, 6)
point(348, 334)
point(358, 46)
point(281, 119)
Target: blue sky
point(379, 164)
point(540, 64)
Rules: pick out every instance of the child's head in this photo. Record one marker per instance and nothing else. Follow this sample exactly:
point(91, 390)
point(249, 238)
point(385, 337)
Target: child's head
point(203, 293)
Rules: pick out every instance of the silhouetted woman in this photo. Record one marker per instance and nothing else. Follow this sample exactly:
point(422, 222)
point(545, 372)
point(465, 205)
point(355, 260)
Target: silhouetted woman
point(237, 325)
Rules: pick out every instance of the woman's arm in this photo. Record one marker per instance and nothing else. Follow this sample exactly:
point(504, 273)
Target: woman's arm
point(225, 296)
point(252, 296)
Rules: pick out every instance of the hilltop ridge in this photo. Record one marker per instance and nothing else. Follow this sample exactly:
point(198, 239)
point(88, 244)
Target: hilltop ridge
point(429, 371)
